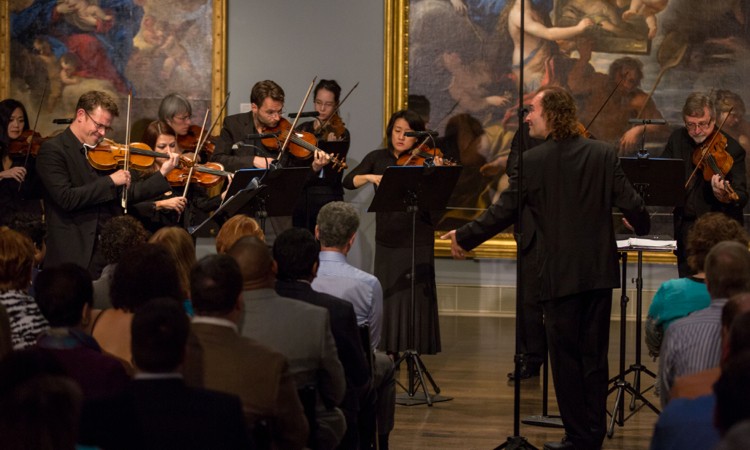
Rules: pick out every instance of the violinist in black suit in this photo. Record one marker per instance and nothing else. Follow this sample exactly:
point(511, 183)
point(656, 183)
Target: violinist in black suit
point(78, 198)
point(570, 185)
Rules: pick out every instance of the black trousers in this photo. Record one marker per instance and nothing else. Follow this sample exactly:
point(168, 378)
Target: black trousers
point(578, 341)
point(531, 336)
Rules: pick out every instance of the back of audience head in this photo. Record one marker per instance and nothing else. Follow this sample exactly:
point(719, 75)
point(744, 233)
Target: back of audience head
point(727, 269)
point(235, 228)
point(296, 254)
point(39, 404)
point(159, 333)
point(120, 234)
point(144, 272)
point(32, 226)
point(255, 261)
point(708, 230)
point(733, 392)
point(16, 260)
point(738, 337)
point(65, 295)
point(181, 247)
point(736, 438)
point(336, 224)
point(215, 285)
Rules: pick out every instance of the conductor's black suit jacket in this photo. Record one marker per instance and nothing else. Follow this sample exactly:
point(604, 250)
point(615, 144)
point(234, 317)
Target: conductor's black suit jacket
point(570, 188)
point(78, 198)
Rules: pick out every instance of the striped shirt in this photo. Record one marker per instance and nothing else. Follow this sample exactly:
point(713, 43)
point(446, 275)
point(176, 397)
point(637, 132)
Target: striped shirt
point(691, 344)
point(26, 320)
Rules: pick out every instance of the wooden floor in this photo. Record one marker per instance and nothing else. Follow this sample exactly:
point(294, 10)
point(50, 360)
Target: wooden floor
point(477, 354)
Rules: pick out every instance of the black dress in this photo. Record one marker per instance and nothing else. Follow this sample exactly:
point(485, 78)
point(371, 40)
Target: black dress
point(393, 267)
point(19, 198)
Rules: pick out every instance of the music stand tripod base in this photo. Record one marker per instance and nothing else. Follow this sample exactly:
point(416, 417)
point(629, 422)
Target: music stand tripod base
point(543, 421)
point(417, 372)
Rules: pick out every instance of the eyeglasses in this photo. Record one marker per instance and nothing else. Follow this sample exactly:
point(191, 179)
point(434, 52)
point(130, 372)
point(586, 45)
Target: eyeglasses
point(273, 113)
point(99, 126)
point(699, 125)
point(183, 118)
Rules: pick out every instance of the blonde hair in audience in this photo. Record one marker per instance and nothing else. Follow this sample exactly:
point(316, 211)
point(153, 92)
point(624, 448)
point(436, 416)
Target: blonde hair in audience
point(235, 228)
point(181, 247)
point(16, 260)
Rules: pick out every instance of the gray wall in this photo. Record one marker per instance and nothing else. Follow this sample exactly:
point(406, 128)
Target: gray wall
point(290, 42)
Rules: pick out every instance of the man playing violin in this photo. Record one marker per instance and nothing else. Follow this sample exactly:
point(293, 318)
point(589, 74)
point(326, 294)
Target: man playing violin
point(80, 199)
point(701, 195)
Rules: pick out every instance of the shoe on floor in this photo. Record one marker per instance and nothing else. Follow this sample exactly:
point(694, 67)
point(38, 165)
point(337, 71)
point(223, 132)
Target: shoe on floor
point(565, 444)
point(526, 372)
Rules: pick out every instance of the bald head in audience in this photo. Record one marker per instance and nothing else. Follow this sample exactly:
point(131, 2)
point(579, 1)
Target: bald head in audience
point(256, 263)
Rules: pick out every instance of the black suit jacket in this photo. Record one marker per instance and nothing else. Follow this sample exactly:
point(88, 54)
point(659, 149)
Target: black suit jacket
point(343, 326)
point(570, 188)
point(164, 414)
point(78, 198)
point(234, 131)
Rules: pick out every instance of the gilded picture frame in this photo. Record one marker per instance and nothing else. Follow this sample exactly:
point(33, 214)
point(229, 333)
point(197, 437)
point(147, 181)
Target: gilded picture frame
point(213, 54)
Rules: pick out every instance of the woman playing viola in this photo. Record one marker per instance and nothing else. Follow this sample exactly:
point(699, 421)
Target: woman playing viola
point(17, 171)
point(325, 186)
point(176, 111)
point(171, 208)
point(393, 247)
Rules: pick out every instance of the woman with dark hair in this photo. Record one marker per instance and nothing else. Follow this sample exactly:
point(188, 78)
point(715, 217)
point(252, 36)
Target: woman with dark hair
point(393, 242)
point(16, 172)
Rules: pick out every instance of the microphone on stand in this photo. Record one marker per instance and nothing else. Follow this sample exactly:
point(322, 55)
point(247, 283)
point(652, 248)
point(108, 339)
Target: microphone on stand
point(648, 121)
point(303, 114)
point(62, 121)
point(424, 133)
point(261, 136)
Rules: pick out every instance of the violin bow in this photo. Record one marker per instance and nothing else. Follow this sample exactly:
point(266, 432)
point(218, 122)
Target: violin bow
point(707, 148)
point(296, 118)
point(31, 140)
point(323, 125)
point(605, 102)
point(195, 155)
point(126, 163)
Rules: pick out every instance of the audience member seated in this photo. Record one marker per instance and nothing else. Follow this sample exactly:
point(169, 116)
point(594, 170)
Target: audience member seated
point(39, 405)
point(737, 437)
point(300, 331)
point(157, 410)
point(118, 235)
point(181, 247)
point(701, 383)
point(219, 358)
point(689, 422)
point(6, 342)
point(296, 254)
point(16, 264)
point(693, 343)
point(31, 226)
point(679, 297)
point(144, 272)
point(235, 228)
point(64, 295)
point(336, 230)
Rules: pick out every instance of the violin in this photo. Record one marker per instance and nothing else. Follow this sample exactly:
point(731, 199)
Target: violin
point(333, 125)
point(301, 143)
point(713, 159)
point(108, 155)
point(188, 142)
point(28, 142)
point(420, 154)
point(206, 175)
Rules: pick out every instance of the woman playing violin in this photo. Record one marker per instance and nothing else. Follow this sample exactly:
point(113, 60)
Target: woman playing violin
point(176, 111)
point(169, 207)
point(322, 189)
point(393, 246)
point(14, 125)
point(704, 195)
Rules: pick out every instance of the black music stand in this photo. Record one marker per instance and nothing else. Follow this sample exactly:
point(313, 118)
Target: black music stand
point(283, 187)
point(414, 189)
point(659, 181)
point(230, 206)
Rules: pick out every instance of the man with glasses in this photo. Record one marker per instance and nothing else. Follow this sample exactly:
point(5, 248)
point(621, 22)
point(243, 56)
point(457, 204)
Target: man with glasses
point(78, 198)
point(701, 196)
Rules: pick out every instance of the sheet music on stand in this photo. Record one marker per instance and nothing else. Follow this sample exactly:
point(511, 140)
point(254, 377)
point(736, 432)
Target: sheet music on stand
point(652, 243)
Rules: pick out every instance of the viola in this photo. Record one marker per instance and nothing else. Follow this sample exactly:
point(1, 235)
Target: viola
point(206, 175)
point(302, 144)
point(108, 155)
point(29, 142)
point(188, 142)
point(712, 159)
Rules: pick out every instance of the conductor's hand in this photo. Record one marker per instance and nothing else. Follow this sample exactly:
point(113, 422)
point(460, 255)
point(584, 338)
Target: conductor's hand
point(120, 178)
point(171, 163)
point(320, 160)
point(456, 251)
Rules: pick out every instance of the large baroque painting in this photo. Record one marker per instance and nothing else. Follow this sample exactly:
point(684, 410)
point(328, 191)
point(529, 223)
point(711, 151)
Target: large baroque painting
point(621, 59)
point(59, 49)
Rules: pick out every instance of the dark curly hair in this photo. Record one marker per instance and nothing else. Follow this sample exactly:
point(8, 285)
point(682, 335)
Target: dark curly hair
point(119, 234)
point(559, 110)
point(709, 230)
